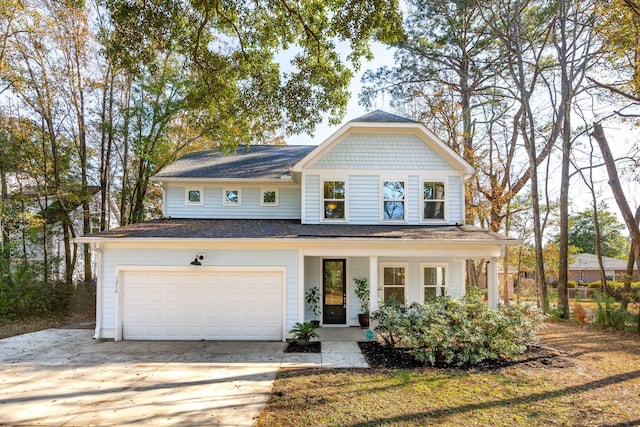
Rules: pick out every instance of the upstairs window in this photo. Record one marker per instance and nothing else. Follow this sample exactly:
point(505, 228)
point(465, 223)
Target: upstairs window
point(393, 205)
point(231, 197)
point(269, 197)
point(334, 198)
point(433, 200)
point(194, 196)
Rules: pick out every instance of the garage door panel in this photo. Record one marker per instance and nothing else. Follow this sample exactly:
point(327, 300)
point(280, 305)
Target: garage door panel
point(211, 305)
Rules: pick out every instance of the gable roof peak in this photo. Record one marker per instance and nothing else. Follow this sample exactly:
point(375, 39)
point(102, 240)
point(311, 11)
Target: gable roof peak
point(380, 116)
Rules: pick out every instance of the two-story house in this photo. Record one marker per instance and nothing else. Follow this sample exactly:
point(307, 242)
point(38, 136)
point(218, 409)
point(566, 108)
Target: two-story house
point(245, 236)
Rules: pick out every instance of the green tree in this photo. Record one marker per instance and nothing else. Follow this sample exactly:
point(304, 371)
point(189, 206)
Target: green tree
point(582, 235)
point(233, 50)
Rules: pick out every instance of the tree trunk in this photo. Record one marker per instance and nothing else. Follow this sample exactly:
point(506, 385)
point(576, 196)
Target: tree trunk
point(618, 194)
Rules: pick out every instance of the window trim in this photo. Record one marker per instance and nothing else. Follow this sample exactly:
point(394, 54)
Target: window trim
point(323, 200)
point(224, 196)
point(187, 190)
point(266, 189)
point(404, 265)
point(423, 181)
point(405, 182)
point(424, 265)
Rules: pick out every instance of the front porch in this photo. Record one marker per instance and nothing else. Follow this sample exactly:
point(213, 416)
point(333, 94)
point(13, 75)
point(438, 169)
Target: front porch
point(410, 278)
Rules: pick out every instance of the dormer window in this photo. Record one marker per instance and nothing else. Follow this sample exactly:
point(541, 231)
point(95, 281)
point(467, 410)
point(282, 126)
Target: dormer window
point(334, 199)
point(231, 197)
point(269, 197)
point(194, 196)
point(433, 200)
point(393, 204)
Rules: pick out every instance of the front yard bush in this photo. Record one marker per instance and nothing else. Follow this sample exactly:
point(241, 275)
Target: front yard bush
point(458, 332)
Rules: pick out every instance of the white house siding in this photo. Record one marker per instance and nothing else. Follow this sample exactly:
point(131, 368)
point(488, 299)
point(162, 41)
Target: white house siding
point(455, 198)
point(364, 199)
point(312, 209)
point(115, 257)
point(382, 151)
point(288, 206)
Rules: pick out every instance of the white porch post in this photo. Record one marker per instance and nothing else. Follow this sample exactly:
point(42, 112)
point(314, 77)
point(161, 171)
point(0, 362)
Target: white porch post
point(492, 282)
point(373, 283)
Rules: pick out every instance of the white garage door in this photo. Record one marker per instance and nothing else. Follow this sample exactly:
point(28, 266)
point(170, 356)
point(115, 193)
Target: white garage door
point(195, 305)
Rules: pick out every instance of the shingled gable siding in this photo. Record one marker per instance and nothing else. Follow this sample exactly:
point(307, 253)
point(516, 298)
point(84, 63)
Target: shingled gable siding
point(288, 206)
point(181, 257)
point(382, 151)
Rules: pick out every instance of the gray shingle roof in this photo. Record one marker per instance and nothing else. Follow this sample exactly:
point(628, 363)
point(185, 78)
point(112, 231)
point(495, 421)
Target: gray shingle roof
point(590, 262)
point(379, 116)
point(255, 161)
point(292, 229)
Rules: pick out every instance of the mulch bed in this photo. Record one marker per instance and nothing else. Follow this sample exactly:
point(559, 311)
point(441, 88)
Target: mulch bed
point(535, 357)
point(313, 347)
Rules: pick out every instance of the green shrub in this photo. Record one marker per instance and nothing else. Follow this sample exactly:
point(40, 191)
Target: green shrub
point(612, 317)
point(595, 285)
point(572, 284)
point(22, 295)
point(457, 332)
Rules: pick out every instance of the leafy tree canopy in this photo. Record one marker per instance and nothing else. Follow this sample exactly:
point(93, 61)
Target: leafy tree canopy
point(234, 49)
point(582, 233)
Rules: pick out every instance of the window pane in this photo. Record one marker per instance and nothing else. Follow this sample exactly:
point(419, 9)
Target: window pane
point(194, 196)
point(394, 294)
point(434, 276)
point(232, 196)
point(394, 190)
point(334, 190)
point(393, 276)
point(269, 197)
point(433, 210)
point(334, 209)
point(434, 190)
point(429, 293)
point(393, 210)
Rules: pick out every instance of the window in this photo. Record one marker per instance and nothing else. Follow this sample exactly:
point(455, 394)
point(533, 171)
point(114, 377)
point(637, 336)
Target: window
point(334, 198)
point(194, 196)
point(433, 200)
point(231, 197)
point(269, 197)
point(434, 281)
point(393, 205)
point(393, 282)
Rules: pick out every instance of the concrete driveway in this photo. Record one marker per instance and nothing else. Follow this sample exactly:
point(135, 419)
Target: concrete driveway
point(64, 377)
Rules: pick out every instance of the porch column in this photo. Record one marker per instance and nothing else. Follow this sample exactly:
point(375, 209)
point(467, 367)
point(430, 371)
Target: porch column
point(373, 284)
point(492, 282)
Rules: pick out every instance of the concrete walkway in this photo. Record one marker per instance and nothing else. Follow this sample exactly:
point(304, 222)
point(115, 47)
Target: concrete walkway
point(335, 354)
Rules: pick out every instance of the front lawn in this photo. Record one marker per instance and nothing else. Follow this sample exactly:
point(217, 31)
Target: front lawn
point(596, 381)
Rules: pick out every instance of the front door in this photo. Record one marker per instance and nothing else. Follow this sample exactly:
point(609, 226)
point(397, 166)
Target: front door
point(334, 307)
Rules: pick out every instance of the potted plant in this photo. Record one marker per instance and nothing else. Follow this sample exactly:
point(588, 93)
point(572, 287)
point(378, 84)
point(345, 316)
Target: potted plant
point(312, 297)
point(303, 332)
point(362, 292)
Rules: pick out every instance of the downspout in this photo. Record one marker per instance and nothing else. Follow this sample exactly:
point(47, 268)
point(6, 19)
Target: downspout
point(98, 250)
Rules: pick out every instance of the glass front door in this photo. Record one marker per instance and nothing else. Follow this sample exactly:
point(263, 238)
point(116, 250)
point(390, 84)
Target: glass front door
point(334, 294)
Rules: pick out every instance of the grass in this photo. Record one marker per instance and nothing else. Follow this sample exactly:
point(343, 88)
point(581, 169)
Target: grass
point(599, 385)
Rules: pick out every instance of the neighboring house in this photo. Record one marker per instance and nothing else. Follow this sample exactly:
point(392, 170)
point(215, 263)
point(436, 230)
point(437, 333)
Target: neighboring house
point(586, 269)
point(246, 235)
point(29, 238)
